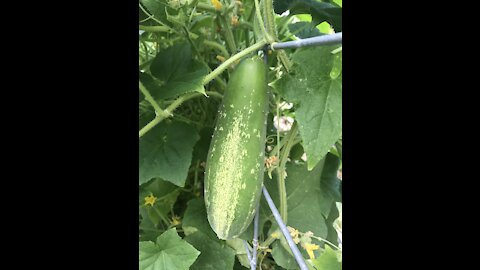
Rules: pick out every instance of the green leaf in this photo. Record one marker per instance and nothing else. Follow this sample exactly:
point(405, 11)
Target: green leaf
point(215, 254)
point(283, 257)
point(306, 200)
point(155, 8)
point(329, 183)
point(148, 230)
point(180, 19)
point(202, 23)
point(318, 99)
point(304, 30)
point(166, 152)
point(324, 28)
point(237, 245)
point(328, 260)
point(169, 252)
point(332, 232)
point(238, 266)
point(177, 71)
point(320, 11)
point(195, 219)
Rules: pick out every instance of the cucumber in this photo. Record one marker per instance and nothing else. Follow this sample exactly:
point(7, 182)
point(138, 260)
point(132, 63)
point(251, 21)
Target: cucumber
point(234, 168)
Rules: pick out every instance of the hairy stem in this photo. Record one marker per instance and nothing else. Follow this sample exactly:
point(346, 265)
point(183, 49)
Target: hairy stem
point(281, 170)
point(194, 47)
point(260, 22)
point(206, 7)
point(269, 18)
point(149, 98)
point(155, 28)
point(228, 34)
point(270, 239)
point(255, 47)
point(272, 31)
point(172, 107)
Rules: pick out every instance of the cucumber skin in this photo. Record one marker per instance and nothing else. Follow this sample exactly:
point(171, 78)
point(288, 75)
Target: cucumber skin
point(235, 163)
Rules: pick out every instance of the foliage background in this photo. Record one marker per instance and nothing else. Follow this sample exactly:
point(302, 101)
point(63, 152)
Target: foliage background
point(184, 41)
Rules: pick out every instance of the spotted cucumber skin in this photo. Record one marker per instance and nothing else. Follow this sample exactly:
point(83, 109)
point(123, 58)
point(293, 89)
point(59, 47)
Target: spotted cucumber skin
point(234, 169)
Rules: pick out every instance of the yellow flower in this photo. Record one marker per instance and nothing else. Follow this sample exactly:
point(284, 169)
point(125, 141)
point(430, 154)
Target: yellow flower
point(234, 20)
point(217, 4)
point(294, 233)
point(176, 220)
point(310, 248)
point(276, 235)
point(150, 199)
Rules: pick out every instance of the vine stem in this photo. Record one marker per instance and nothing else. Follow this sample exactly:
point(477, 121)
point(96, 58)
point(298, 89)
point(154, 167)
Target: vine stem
point(228, 34)
point(270, 239)
point(172, 107)
point(272, 31)
point(149, 98)
point(155, 28)
point(269, 18)
point(260, 22)
point(206, 7)
point(326, 241)
point(192, 44)
point(255, 47)
point(282, 143)
point(153, 17)
point(289, 139)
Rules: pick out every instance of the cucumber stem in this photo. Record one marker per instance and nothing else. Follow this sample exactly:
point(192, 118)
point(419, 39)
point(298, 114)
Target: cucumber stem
point(289, 139)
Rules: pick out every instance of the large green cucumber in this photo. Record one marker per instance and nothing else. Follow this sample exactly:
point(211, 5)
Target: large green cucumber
point(234, 169)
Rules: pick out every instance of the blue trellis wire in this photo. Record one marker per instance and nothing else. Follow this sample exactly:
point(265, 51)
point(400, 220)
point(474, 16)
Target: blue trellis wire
point(313, 41)
point(284, 230)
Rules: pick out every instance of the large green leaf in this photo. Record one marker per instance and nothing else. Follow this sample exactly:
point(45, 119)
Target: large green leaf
point(282, 257)
point(175, 73)
point(169, 252)
point(328, 260)
point(166, 152)
point(320, 11)
point(195, 219)
point(305, 199)
point(309, 203)
point(310, 197)
point(315, 86)
point(332, 232)
point(329, 183)
point(155, 8)
point(215, 254)
point(148, 230)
